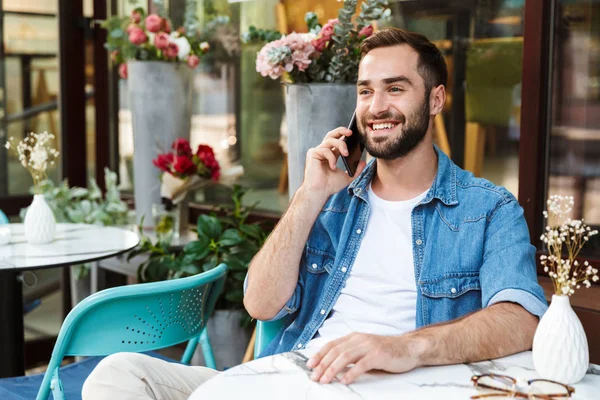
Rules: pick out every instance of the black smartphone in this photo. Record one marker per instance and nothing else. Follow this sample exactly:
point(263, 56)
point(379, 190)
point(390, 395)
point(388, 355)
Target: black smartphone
point(355, 147)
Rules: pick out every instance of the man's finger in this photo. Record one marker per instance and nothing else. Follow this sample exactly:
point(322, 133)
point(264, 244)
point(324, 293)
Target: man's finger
point(359, 368)
point(338, 133)
point(349, 356)
point(335, 144)
point(326, 154)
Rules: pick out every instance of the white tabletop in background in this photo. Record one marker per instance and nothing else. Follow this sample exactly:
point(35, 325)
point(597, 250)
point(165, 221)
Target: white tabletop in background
point(74, 244)
point(281, 377)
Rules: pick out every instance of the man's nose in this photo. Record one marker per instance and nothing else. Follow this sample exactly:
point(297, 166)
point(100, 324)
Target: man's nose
point(379, 104)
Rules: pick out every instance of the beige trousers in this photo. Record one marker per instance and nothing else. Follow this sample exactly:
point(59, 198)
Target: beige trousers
point(133, 376)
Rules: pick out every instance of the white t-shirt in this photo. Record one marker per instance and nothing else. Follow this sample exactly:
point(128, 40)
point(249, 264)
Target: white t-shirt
point(380, 294)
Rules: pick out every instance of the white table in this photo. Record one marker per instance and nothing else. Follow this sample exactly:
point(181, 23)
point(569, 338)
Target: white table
point(283, 377)
point(74, 244)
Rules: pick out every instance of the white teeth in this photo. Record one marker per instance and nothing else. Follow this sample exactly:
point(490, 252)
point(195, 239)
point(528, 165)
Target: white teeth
point(383, 126)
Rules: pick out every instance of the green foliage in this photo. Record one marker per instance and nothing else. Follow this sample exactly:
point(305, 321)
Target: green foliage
point(221, 239)
point(85, 205)
point(343, 66)
point(255, 35)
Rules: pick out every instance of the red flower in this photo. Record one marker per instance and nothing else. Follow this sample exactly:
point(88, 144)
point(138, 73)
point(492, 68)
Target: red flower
point(193, 61)
point(182, 147)
point(123, 71)
point(206, 155)
point(184, 165)
point(164, 161)
point(366, 31)
point(216, 174)
point(161, 40)
point(137, 36)
point(136, 17)
point(171, 50)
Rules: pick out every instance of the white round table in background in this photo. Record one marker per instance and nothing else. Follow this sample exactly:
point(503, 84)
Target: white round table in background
point(285, 376)
point(74, 244)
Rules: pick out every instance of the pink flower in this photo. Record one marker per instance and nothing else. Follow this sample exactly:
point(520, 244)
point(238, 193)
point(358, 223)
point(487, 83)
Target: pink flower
point(136, 17)
point(366, 31)
point(182, 147)
point(328, 29)
point(154, 23)
point(123, 71)
point(130, 27)
point(161, 40)
point(292, 51)
point(137, 36)
point(319, 44)
point(171, 50)
point(193, 61)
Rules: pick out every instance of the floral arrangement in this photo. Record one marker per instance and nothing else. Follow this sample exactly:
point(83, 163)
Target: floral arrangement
point(184, 170)
point(36, 154)
point(328, 53)
point(566, 237)
point(150, 38)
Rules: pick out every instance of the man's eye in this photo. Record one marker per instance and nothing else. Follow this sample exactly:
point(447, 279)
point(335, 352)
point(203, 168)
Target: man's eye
point(396, 89)
point(363, 92)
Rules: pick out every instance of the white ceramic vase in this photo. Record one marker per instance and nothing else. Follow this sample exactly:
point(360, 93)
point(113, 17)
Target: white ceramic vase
point(40, 225)
point(560, 348)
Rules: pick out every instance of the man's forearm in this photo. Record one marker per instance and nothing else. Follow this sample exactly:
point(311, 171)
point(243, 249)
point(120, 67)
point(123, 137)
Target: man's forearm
point(273, 272)
point(497, 331)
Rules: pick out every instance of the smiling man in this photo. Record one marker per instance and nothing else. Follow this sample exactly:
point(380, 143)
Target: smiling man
point(413, 263)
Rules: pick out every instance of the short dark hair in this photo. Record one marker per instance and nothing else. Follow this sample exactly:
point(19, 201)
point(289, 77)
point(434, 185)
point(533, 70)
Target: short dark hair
point(431, 64)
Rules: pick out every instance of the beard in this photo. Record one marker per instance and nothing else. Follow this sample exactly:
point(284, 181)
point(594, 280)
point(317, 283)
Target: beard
point(391, 148)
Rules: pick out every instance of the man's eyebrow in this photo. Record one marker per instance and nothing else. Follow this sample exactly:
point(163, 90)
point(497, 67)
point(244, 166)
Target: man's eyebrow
point(387, 81)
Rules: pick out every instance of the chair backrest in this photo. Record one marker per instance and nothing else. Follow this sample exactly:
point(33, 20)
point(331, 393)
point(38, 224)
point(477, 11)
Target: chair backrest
point(140, 317)
point(3, 218)
point(265, 332)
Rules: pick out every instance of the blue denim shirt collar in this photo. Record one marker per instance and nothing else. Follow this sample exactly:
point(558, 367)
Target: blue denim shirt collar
point(443, 188)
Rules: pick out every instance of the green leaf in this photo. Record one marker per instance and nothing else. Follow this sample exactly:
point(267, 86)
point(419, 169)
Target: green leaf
point(235, 263)
point(117, 33)
point(191, 269)
point(210, 227)
point(235, 296)
point(210, 263)
point(252, 231)
point(230, 237)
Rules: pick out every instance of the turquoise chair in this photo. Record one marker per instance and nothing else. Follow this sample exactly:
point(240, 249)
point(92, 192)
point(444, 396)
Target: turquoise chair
point(3, 218)
point(137, 318)
point(265, 332)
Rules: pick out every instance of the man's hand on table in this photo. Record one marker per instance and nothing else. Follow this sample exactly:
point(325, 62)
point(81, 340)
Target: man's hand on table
point(367, 352)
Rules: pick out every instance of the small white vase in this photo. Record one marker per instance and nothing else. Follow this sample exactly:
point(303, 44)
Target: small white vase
point(40, 225)
point(560, 348)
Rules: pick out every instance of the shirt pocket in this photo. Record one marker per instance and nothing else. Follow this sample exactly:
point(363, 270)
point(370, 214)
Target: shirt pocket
point(450, 296)
point(318, 262)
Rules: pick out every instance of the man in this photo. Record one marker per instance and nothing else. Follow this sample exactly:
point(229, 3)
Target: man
point(413, 263)
point(356, 266)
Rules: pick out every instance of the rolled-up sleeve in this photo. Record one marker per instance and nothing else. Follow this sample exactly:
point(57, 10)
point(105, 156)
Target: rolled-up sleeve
point(508, 273)
point(290, 306)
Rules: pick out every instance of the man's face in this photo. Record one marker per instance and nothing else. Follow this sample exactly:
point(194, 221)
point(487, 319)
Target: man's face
point(392, 106)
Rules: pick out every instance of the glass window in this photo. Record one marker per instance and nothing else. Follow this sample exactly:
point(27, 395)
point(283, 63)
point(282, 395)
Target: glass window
point(574, 159)
point(482, 43)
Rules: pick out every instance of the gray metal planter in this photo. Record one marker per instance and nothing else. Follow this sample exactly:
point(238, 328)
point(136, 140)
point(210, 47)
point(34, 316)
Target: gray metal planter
point(312, 110)
point(160, 99)
point(228, 339)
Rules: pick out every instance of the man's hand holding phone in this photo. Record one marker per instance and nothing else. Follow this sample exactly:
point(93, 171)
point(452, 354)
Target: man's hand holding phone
point(321, 175)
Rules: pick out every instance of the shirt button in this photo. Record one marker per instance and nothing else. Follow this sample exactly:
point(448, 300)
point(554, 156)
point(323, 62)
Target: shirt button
point(344, 269)
point(453, 290)
point(322, 312)
point(314, 266)
point(419, 242)
point(358, 231)
point(299, 345)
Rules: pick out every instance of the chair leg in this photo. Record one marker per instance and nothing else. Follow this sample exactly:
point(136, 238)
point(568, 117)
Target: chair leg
point(56, 386)
point(249, 355)
point(207, 351)
point(49, 382)
point(474, 147)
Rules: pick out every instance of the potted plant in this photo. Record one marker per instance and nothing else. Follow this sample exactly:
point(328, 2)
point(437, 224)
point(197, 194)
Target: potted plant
point(560, 348)
point(321, 68)
point(182, 171)
point(157, 61)
point(228, 237)
point(86, 206)
point(37, 154)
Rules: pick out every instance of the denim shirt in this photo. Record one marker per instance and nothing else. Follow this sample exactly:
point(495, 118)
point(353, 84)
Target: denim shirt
point(470, 245)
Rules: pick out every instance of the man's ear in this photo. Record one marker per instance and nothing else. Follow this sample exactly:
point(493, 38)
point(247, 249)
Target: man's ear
point(437, 99)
